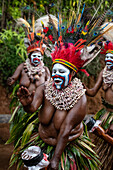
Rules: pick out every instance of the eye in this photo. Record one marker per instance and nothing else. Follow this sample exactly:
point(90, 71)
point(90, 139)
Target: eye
point(54, 71)
point(61, 71)
point(39, 56)
point(111, 57)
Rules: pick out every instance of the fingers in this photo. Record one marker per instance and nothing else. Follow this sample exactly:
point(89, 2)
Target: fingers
point(33, 93)
point(23, 91)
point(9, 81)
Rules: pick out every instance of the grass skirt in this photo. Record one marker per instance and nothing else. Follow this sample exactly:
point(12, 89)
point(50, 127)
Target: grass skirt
point(104, 149)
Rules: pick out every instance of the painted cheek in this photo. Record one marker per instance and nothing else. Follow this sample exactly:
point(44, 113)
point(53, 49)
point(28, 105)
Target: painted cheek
point(60, 77)
point(70, 78)
point(111, 61)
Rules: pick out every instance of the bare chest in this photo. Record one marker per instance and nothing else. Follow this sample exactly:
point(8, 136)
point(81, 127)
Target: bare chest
point(31, 84)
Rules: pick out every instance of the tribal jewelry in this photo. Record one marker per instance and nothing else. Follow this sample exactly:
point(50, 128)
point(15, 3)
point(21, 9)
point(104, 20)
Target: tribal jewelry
point(107, 76)
point(66, 98)
point(33, 72)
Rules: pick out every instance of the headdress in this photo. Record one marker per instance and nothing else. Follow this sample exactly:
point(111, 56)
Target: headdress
point(35, 40)
point(108, 45)
point(32, 41)
point(77, 43)
point(108, 48)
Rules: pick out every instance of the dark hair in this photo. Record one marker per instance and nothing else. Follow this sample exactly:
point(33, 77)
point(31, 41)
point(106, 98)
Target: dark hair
point(30, 54)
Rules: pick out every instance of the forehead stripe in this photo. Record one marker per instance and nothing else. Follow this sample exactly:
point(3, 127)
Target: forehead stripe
point(109, 51)
point(66, 63)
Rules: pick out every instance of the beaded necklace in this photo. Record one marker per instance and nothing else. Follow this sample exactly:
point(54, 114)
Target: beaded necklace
point(107, 76)
point(66, 98)
point(33, 72)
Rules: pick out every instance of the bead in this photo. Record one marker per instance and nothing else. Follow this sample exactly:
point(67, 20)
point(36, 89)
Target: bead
point(36, 77)
point(66, 98)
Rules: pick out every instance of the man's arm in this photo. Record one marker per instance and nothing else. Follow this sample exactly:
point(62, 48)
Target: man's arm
point(11, 80)
point(74, 117)
point(92, 92)
point(31, 101)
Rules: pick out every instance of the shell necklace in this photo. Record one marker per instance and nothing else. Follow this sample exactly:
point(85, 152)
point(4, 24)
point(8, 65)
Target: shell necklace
point(66, 98)
point(33, 72)
point(107, 76)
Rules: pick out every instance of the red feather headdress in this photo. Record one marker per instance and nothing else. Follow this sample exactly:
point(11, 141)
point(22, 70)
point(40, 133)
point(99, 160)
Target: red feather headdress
point(68, 55)
point(108, 48)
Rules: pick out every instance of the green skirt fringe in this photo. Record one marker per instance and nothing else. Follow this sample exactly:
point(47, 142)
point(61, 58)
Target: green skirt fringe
point(78, 155)
point(24, 133)
point(104, 149)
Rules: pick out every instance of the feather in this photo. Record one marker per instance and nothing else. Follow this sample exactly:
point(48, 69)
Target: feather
point(96, 11)
point(45, 20)
point(82, 11)
point(54, 31)
point(24, 23)
point(101, 19)
point(33, 22)
point(102, 34)
point(109, 34)
point(92, 58)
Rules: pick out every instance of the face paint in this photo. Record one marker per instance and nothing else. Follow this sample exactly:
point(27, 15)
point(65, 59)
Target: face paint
point(61, 76)
point(35, 58)
point(109, 61)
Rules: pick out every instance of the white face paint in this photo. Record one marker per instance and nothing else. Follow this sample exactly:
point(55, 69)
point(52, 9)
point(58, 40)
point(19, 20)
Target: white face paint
point(35, 58)
point(61, 75)
point(109, 61)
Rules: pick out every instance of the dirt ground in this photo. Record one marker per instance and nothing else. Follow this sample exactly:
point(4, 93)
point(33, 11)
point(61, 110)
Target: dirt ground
point(5, 150)
point(94, 104)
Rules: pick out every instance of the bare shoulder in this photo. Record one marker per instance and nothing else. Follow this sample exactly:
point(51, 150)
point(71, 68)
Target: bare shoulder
point(21, 65)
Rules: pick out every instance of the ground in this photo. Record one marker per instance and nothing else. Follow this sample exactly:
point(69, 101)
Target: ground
point(5, 150)
point(94, 104)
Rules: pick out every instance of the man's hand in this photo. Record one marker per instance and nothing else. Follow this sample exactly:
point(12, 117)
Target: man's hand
point(110, 130)
point(25, 96)
point(10, 81)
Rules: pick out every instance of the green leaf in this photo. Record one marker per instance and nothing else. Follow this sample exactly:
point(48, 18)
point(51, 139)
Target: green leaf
point(27, 133)
point(67, 165)
point(19, 164)
point(15, 111)
point(15, 90)
point(86, 146)
point(49, 148)
point(18, 141)
point(13, 161)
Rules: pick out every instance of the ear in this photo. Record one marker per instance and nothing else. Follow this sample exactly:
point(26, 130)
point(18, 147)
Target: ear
point(73, 73)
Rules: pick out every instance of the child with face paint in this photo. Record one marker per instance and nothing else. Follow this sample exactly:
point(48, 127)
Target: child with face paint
point(105, 80)
point(32, 73)
point(63, 101)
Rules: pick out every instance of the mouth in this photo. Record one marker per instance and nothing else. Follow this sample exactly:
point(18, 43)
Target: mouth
point(36, 62)
point(108, 63)
point(58, 81)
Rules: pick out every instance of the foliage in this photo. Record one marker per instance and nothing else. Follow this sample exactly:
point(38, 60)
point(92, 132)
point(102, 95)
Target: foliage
point(24, 133)
point(78, 153)
point(12, 53)
point(93, 70)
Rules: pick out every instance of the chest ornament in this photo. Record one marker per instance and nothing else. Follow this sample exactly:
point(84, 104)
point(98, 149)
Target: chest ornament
point(33, 73)
point(66, 98)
